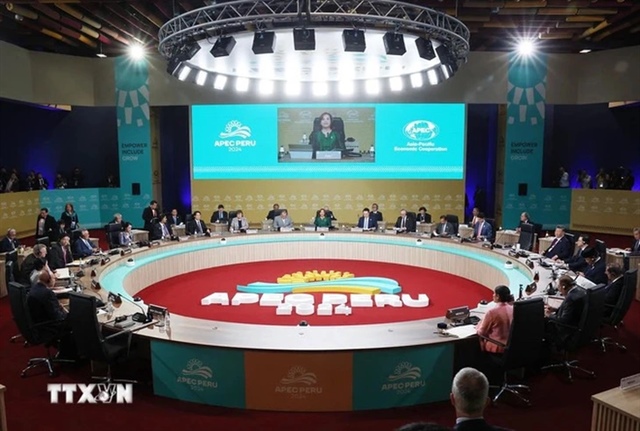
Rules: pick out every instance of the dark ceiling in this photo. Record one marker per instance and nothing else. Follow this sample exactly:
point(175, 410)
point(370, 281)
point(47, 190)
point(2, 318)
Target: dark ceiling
point(86, 27)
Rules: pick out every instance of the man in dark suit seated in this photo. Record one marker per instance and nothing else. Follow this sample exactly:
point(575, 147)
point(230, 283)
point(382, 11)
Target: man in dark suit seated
point(9, 242)
point(596, 266)
point(274, 212)
point(29, 264)
point(444, 228)
point(220, 216)
point(405, 223)
point(482, 230)
point(576, 262)
point(524, 219)
point(367, 222)
point(61, 229)
point(567, 314)
point(45, 225)
point(150, 215)
point(196, 226)
point(635, 247)
point(423, 216)
point(615, 276)
point(60, 254)
point(560, 248)
point(174, 219)
point(83, 246)
point(470, 396)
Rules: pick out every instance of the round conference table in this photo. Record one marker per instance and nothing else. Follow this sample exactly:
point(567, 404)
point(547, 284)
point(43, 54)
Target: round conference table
point(295, 368)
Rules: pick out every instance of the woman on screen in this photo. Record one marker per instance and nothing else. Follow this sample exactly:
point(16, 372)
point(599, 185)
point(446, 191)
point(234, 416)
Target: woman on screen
point(325, 139)
point(322, 220)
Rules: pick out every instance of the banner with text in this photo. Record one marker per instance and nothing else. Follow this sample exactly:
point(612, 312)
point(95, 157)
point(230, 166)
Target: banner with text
point(402, 377)
point(524, 148)
point(134, 137)
point(206, 375)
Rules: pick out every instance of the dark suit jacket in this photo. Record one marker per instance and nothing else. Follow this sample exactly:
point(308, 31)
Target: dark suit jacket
point(27, 267)
point(68, 219)
point(569, 312)
point(372, 223)
point(8, 244)
point(440, 229)
point(272, 214)
point(56, 257)
point(576, 262)
point(613, 291)
point(215, 217)
point(43, 304)
point(562, 249)
point(147, 216)
point(80, 249)
point(410, 224)
point(423, 218)
point(635, 246)
point(376, 215)
point(486, 231)
point(172, 222)
point(477, 425)
point(596, 273)
point(192, 228)
point(50, 225)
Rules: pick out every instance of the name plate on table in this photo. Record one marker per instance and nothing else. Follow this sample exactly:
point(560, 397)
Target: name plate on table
point(328, 155)
point(391, 231)
point(630, 382)
point(286, 229)
point(300, 155)
point(251, 231)
point(309, 228)
point(323, 229)
point(357, 229)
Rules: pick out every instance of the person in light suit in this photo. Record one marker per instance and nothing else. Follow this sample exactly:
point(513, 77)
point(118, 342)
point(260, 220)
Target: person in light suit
point(239, 222)
point(282, 220)
point(367, 222)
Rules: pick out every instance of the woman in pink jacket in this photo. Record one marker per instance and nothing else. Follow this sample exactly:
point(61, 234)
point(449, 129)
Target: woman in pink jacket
point(497, 322)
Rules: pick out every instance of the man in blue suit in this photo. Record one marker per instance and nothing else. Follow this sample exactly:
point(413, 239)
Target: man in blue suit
point(596, 266)
point(561, 247)
point(367, 222)
point(83, 246)
point(482, 230)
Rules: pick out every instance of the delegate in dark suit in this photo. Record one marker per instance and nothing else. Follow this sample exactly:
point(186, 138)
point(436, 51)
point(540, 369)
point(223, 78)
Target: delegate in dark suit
point(476, 425)
point(568, 313)
point(8, 244)
point(613, 292)
point(59, 258)
point(444, 229)
point(174, 220)
point(220, 217)
point(371, 223)
point(83, 247)
point(576, 262)
point(192, 227)
point(43, 305)
point(560, 247)
point(423, 218)
point(27, 267)
point(596, 272)
point(49, 227)
point(149, 215)
point(408, 223)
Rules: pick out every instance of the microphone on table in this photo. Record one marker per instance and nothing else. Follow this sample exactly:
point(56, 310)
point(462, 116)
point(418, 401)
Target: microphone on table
point(137, 317)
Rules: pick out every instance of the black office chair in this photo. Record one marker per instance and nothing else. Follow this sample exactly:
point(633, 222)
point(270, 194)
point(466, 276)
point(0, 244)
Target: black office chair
point(232, 215)
point(453, 219)
point(44, 333)
point(90, 341)
point(492, 223)
point(527, 236)
point(44, 240)
point(279, 211)
point(584, 334)
point(10, 277)
point(113, 234)
point(523, 346)
point(601, 248)
point(188, 218)
point(619, 310)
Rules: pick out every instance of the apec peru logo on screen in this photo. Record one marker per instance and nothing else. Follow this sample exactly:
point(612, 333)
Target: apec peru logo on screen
point(235, 129)
point(421, 130)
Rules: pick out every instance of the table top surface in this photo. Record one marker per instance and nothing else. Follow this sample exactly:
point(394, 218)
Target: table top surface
point(626, 402)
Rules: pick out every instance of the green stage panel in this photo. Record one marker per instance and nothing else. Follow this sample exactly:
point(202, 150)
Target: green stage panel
point(402, 377)
point(205, 375)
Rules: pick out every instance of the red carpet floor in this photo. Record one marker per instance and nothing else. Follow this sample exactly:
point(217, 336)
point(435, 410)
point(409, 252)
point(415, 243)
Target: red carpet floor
point(182, 294)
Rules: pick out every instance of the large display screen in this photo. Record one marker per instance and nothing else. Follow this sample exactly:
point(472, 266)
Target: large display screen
point(337, 141)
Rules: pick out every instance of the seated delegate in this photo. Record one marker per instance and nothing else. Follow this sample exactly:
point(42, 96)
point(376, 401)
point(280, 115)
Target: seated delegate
point(560, 248)
point(366, 221)
point(405, 223)
point(444, 228)
point(322, 220)
point(220, 216)
point(567, 315)
point(83, 246)
point(239, 223)
point(283, 221)
point(126, 237)
point(196, 226)
point(496, 323)
point(482, 229)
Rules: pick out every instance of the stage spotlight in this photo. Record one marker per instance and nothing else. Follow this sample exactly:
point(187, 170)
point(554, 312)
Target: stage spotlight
point(425, 48)
point(416, 80)
point(264, 42)
point(220, 82)
point(187, 50)
point(136, 51)
point(320, 88)
point(432, 76)
point(447, 59)
point(372, 87)
point(304, 39)
point(223, 46)
point(345, 88)
point(184, 73)
point(201, 77)
point(395, 83)
point(242, 84)
point(292, 88)
point(526, 47)
point(354, 40)
point(265, 87)
point(173, 65)
point(394, 43)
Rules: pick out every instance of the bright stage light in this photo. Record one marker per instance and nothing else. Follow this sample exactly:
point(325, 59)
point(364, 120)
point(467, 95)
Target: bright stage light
point(292, 88)
point(136, 51)
point(432, 76)
point(265, 87)
point(372, 86)
point(526, 47)
point(201, 77)
point(345, 88)
point(220, 82)
point(416, 80)
point(320, 89)
point(395, 83)
point(184, 73)
point(242, 84)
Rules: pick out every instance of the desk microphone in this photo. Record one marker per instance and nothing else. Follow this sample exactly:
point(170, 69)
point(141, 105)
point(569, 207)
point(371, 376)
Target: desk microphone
point(137, 317)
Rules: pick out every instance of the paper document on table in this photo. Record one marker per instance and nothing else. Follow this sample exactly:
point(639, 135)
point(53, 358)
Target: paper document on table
point(463, 331)
point(583, 282)
point(62, 291)
point(62, 273)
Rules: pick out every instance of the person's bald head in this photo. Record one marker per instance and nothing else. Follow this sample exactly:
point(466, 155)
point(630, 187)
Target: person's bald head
point(46, 279)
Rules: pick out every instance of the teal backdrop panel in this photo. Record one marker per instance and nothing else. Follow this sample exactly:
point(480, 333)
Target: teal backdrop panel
point(402, 377)
point(109, 204)
point(86, 203)
point(206, 375)
point(134, 136)
point(525, 144)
